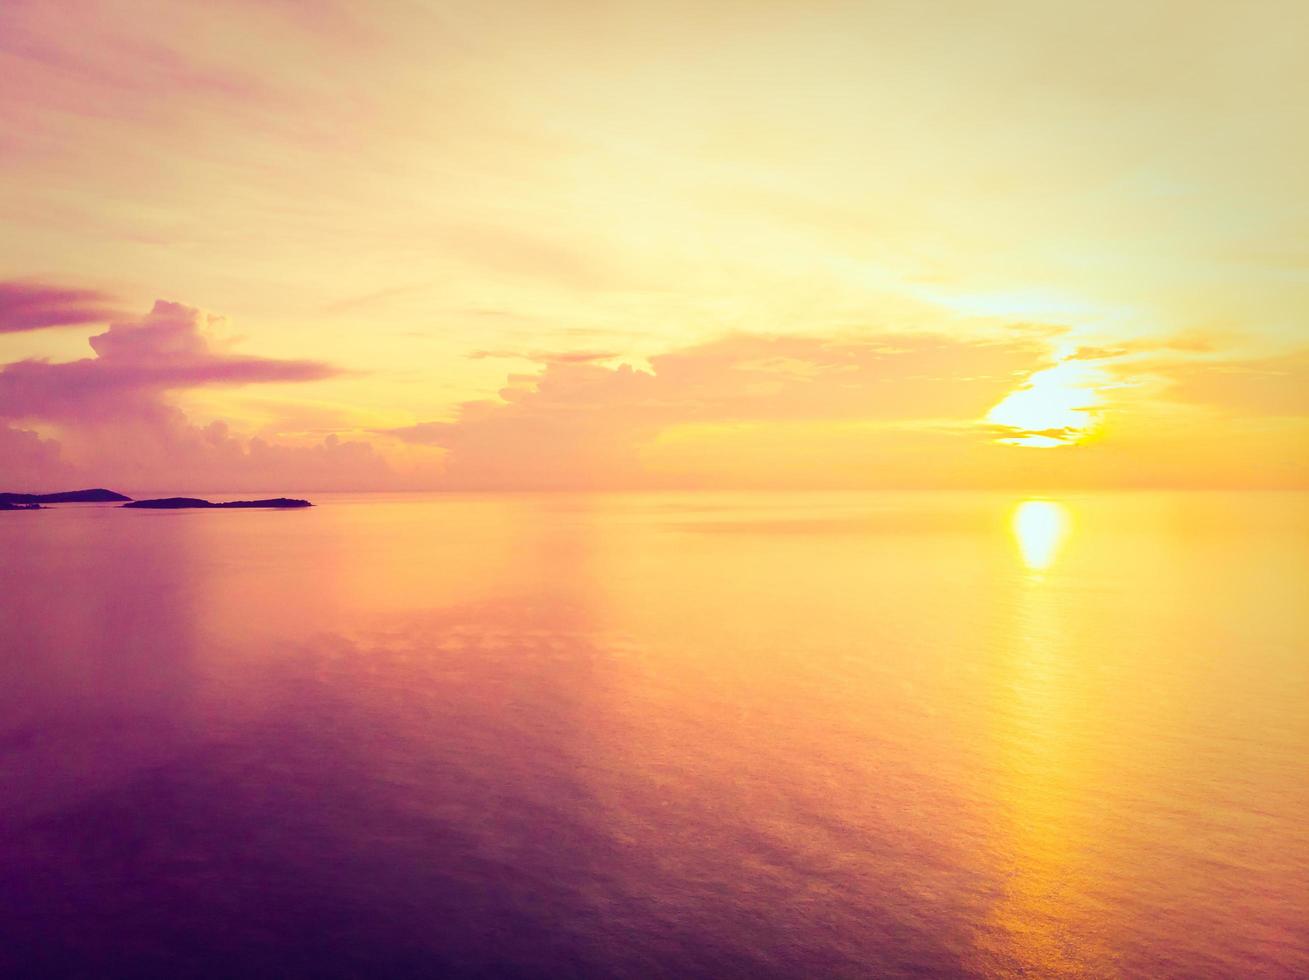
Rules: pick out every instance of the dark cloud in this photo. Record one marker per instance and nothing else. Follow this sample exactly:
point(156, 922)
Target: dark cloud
point(26, 305)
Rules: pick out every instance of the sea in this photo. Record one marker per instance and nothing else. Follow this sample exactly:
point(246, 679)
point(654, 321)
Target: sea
point(658, 735)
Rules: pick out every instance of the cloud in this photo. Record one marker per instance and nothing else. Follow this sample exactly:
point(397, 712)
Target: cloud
point(1187, 343)
point(115, 424)
point(582, 424)
point(1268, 386)
point(1097, 353)
point(135, 362)
point(548, 357)
point(27, 305)
point(30, 462)
point(166, 453)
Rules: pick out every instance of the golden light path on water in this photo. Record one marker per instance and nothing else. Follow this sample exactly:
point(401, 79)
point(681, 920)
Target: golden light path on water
point(1040, 527)
point(1039, 763)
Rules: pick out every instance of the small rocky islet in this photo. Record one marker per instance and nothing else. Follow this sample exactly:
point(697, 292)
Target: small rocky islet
point(99, 495)
point(182, 503)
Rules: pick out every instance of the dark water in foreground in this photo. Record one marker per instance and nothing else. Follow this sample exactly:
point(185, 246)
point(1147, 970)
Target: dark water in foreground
point(658, 736)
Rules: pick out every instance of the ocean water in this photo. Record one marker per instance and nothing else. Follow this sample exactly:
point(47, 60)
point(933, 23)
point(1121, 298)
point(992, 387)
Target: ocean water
point(658, 735)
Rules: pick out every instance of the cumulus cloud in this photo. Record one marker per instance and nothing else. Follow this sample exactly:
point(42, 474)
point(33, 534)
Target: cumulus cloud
point(114, 422)
point(579, 423)
point(136, 361)
point(169, 453)
point(29, 462)
point(27, 305)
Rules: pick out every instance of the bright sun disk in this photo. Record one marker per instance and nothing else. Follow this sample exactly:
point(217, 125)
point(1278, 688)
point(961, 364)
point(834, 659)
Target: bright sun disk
point(1054, 408)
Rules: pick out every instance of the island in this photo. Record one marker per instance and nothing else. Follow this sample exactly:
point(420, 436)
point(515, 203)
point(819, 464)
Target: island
point(182, 503)
point(97, 496)
point(36, 501)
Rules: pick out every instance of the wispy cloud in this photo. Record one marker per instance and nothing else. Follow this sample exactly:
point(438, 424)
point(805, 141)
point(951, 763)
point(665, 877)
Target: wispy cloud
point(548, 356)
point(578, 423)
point(1263, 386)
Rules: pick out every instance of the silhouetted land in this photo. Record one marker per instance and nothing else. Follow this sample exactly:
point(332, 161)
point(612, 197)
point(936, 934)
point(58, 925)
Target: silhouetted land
point(96, 496)
point(181, 503)
point(33, 501)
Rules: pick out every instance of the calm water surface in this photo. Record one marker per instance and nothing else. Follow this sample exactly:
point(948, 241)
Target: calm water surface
point(658, 735)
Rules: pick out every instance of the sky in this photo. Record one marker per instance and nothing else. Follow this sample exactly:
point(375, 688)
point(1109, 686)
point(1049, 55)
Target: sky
point(276, 245)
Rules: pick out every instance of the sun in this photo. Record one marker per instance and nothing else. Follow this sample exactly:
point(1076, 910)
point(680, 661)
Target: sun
point(1055, 407)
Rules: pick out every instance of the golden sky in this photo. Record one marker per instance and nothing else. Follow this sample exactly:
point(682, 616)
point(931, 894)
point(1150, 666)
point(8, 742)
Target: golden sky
point(570, 244)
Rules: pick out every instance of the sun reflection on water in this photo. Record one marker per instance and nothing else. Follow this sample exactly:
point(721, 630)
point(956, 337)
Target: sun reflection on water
point(1040, 527)
point(1039, 771)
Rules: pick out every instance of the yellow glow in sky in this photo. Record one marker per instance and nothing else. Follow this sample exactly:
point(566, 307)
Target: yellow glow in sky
point(970, 230)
